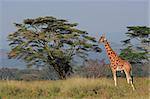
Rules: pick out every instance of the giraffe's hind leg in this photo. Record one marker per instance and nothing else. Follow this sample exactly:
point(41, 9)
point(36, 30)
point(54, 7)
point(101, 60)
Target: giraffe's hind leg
point(129, 79)
point(131, 82)
point(127, 76)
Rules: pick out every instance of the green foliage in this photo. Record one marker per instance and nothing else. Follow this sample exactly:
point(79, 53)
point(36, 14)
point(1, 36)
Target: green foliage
point(133, 56)
point(136, 46)
point(138, 31)
point(48, 41)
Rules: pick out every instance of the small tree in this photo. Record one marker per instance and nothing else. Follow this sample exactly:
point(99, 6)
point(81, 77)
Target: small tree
point(136, 48)
point(94, 69)
point(48, 41)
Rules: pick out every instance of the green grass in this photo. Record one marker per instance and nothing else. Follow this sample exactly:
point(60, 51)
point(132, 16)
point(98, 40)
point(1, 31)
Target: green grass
point(75, 88)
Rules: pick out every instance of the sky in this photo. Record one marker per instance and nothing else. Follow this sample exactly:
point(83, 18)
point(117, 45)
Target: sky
point(93, 16)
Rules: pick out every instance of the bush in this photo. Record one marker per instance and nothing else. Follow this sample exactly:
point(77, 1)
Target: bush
point(94, 69)
point(141, 70)
point(30, 77)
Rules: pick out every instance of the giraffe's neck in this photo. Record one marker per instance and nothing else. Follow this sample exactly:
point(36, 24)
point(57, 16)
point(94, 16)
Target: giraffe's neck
point(111, 54)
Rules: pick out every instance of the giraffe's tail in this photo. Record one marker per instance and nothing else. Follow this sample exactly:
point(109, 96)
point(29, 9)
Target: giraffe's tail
point(131, 73)
point(131, 76)
point(132, 81)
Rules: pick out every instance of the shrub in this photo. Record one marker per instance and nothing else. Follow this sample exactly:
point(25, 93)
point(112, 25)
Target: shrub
point(94, 69)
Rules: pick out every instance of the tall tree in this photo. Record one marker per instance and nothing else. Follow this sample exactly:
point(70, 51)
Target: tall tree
point(52, 42)
point(136, 46)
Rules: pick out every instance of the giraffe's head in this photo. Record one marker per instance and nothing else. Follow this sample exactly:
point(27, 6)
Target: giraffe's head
point(102, 38)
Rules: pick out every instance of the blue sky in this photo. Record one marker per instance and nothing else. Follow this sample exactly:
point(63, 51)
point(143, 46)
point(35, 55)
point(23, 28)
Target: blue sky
point(94, 16)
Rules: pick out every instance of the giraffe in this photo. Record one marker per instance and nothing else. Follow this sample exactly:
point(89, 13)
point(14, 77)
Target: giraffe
point(116, 63)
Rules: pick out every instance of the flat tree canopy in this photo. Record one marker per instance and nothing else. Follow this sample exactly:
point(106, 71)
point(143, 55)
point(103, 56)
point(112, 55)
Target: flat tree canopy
point(48, 41)
point(139, 52)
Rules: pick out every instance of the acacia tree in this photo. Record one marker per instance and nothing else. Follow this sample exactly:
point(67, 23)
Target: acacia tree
point(136, 48)
point(52, 42)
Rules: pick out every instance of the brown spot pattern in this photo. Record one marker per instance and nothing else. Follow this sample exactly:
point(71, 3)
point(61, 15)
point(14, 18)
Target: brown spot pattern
point(114, 58)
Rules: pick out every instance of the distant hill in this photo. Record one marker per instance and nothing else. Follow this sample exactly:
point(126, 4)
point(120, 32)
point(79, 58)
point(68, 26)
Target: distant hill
point(13, 63)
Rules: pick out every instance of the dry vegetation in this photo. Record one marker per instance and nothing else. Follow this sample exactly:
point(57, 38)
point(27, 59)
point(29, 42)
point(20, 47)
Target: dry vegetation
point(74, 88)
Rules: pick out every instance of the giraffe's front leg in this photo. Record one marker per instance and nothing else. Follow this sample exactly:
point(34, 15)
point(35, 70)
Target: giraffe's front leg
point(115, 77)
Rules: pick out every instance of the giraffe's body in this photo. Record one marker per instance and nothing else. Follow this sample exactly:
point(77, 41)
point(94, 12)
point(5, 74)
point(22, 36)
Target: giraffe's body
point(116, 63)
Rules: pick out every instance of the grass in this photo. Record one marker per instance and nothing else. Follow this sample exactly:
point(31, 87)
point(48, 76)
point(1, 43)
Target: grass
point(75, 88)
